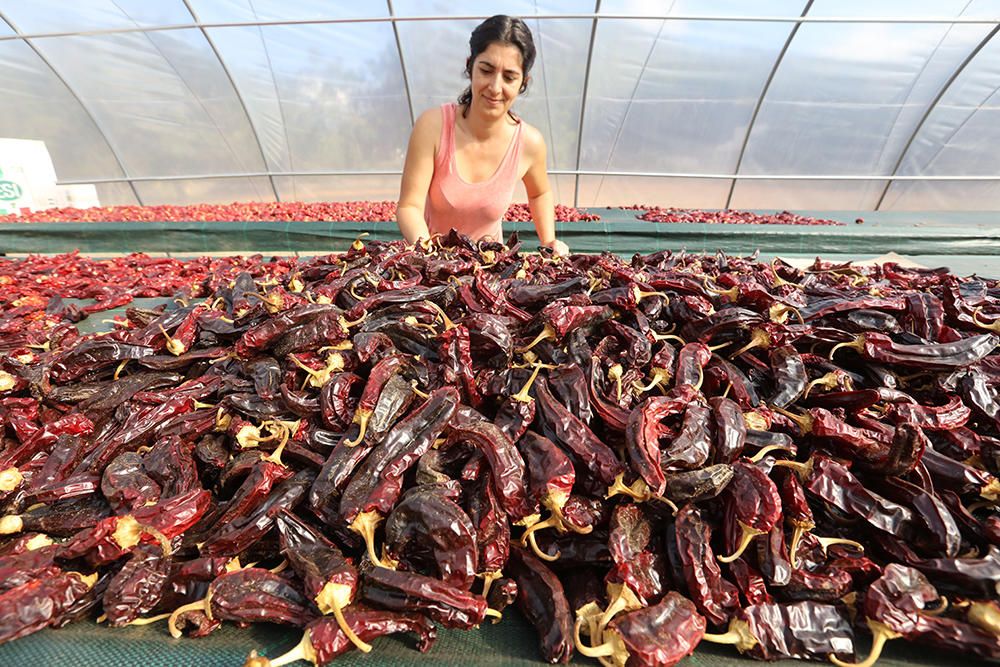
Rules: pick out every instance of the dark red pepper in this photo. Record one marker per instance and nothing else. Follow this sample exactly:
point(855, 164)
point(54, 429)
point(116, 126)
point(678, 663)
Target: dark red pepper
point(251, 595)
point(411, 592)
point(660, 635)
point(432, 534)
point(542, 599)
point(41, 602)
point(374, 488)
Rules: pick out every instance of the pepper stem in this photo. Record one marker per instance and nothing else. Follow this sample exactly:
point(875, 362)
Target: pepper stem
point(827, 542)
point(622, 599)
point(803, 421)
point(567, 526)
point(273, 301)
point(778, 312)
point(523, 396)
point(363, 646)
point(713, 348)
point(448, 324)
point(128, 532)
point(984, 615)
point(739, 635)
point(488, 579)
point(364, 525)
point(828, 381)
point(590, 614)
point(547, 333)
point(347, 324)
point(800, 529)
point(748, 535)
point(758, 338)
point(174, 345)
point(38, 541)
point(857, 344)
point(337, 347)
point(615, 373)
point(528, 538)
point(992, 490)
point(361, 418)
point(197, 605)
point(249, 436)
point(602, 651)
point(778, 280)
point(666, 501)
point(658, 337)
point(275, 456)
point(993, 326)
point(764, 451)
point(880, 634)
point(318, 378)
point(660, 376)
point(640, 295)
point(11, 524)
point(944, 607)
point(412, 321)
point(350, 290)
point(10, 479)
point(638, 491)
point(148, 621)
point(803, 470)
point(302, 651)
point(733, 292)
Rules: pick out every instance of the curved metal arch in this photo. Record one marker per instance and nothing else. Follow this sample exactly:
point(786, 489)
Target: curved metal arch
point(471, 17)
point(239, 96)
point(631, 101)
point(83, 105)
point(583, 104)
point(760, 101)
point(402, 63)
point(930, 108)
point(553, 172)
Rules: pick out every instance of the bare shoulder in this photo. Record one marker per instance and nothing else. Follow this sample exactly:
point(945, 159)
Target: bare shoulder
point(427, 128)
point(429, 119)
point(534, 142)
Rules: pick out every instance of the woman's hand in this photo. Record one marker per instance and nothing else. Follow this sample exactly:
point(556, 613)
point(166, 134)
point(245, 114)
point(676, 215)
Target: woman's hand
point(558, 247)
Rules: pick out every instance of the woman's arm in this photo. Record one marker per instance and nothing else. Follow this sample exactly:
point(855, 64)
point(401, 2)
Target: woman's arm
point(417, 174)
point(540, 199)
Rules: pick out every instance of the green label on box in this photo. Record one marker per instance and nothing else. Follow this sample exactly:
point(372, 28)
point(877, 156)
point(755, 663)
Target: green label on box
point(9, 191)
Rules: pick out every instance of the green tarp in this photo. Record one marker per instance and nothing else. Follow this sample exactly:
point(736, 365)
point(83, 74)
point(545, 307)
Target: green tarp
point(963, 234)
point(511, 642)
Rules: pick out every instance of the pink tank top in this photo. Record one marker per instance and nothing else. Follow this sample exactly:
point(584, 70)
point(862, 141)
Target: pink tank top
point(474, 209)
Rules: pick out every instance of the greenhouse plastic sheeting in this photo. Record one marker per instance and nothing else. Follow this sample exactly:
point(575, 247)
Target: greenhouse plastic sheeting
point(619, 231)
point(511, 642)
point(256, 99)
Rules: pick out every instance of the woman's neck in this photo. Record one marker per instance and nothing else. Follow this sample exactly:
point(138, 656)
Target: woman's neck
point(480, 126)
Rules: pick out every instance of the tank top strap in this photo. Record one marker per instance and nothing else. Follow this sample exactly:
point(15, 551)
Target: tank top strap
point(446, 143)
point(508, 170)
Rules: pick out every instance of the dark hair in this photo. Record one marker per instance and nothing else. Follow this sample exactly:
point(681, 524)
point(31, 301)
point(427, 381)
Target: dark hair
point(504, 30)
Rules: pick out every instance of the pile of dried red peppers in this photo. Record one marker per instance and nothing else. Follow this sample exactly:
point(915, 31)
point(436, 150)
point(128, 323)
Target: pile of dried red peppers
point(641, 455)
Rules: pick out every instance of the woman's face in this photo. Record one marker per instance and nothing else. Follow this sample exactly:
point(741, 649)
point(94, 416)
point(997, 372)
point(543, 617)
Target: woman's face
point(496, 79)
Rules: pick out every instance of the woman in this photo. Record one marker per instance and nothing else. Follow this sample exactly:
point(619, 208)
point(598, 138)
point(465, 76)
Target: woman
point(464, 159)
